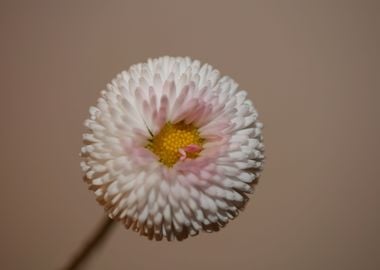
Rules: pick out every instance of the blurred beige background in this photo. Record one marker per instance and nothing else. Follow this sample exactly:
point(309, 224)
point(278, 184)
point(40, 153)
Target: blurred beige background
point(312, 70)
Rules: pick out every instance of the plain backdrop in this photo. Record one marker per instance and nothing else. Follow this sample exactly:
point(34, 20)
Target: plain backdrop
point(311, 69)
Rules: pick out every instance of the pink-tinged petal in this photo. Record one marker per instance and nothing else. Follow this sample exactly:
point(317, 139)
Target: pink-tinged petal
point(183, 154)
point(196, 113)
point(193, 148)
point(213, 137)
point(180, 100)
point(186, 110)
point(152, 99)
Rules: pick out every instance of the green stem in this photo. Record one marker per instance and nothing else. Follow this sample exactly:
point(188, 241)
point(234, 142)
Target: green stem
point(91, 245)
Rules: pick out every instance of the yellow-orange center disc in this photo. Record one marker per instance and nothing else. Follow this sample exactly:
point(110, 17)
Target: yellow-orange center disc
point(174, 139)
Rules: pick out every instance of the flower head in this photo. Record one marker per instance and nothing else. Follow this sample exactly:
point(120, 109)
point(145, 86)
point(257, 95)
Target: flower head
point(172, 148)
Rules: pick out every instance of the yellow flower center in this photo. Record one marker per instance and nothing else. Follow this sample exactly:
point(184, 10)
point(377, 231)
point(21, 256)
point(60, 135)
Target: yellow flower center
point(176, 141)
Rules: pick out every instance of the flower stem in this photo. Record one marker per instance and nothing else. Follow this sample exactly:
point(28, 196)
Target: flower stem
point(91, 245)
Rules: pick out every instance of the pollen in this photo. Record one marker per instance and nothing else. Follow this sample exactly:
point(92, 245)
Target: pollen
point(176, 142)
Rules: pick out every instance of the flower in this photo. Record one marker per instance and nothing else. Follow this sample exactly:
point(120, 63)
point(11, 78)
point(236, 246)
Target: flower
point(173, 148)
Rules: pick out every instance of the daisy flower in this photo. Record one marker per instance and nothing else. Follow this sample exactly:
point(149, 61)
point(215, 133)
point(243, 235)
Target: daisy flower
point(172, 148)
